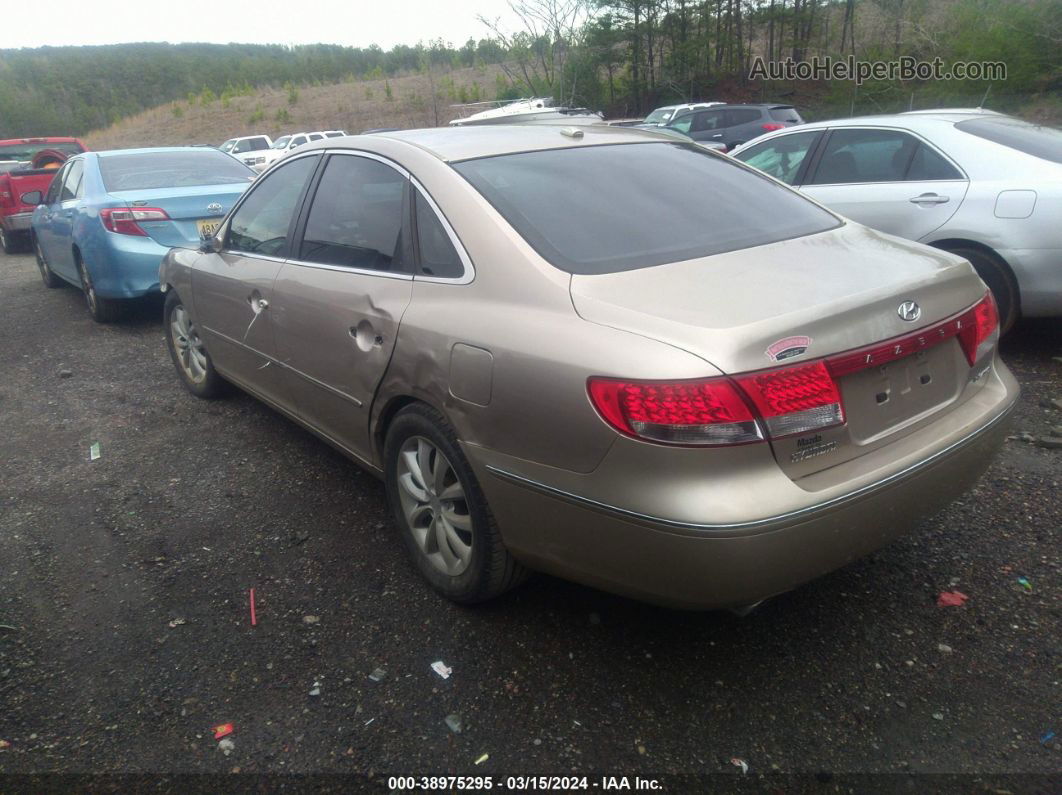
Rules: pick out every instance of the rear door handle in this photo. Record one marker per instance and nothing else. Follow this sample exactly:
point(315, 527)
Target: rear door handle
point(929, 198)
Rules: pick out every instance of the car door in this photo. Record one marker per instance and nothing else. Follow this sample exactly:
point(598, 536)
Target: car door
point(707, 125)
point(886, 178)
point(232, 289)
point(784, 157)
point(42, 225)
point(71, 194)
point(340, 297)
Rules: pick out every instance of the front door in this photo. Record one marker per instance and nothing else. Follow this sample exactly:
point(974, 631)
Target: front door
point(339, 299)
point(44, 228)
point(887, 179)
point(233, 290)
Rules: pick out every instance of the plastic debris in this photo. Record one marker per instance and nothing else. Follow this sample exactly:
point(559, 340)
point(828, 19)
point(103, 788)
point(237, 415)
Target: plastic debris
point(442, 669)
point(254, 618)
point(370, 720)
point(177, 622)
point(481, 759)
point(310, 619)
point(378, 675)
point(944, 647)
point(5, 744)
point(226, 746)
point(1024, 583)
point(951, 599)
point(94, 451)
point(316, 689)
point(737, 762)
point(223, 730)
point(938, 716)
point(66, 373)
point(453, 722)
point(1043, 740)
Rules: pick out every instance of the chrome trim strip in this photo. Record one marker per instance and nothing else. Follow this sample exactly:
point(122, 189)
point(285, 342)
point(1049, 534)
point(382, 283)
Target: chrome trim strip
point(756, 523)
point(343, 269)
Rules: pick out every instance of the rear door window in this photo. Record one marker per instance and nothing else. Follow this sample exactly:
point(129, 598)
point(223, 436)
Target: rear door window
point(262, 222)
point(52, 196)
point(707, 120)
point(357, 217)
point(736, 116)
point(610, 208)
point(863, 155)
point(72, 181)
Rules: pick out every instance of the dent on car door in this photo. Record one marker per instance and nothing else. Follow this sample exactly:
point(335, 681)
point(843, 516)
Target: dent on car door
point(340, 299)
point(887, 179)
point(233, 289)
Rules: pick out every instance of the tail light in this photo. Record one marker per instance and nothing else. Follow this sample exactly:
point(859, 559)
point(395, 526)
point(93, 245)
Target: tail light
point(769, 404)
point(125, 221)
point(771, 126)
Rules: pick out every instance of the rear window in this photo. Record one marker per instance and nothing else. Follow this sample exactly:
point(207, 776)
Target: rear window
point(27, 151)
point(785, 114)
point(604, 209)
point(1042, 142)
point(147, 170)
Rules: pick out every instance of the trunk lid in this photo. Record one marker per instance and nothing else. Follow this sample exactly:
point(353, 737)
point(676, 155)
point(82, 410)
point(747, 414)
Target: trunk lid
point(194, 212)
point(802, 300)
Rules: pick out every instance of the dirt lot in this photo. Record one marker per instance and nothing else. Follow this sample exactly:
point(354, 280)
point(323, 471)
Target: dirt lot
point(127, 636)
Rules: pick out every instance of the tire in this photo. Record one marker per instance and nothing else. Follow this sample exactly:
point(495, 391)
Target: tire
point(49, 278)
point(996, 274)
point(486, 570)
point(11, 242)
point(190, 358)
point(103, 310)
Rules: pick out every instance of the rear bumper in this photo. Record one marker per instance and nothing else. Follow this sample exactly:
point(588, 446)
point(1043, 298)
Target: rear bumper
point(1039, 275)
point(706, 566)
point(17, 222)
point(123, 266)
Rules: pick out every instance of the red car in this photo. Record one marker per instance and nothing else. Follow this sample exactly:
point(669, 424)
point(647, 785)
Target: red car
point(27, 164)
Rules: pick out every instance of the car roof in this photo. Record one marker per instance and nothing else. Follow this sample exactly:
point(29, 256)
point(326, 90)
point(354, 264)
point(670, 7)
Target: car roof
point(451, 144)
point(151, 150)
point(913, 120)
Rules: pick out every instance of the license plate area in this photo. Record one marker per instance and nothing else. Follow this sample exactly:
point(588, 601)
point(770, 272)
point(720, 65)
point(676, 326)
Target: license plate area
point(880, 400)
point(208, 227)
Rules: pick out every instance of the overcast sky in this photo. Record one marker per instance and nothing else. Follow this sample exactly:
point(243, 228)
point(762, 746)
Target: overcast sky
point(356, 23)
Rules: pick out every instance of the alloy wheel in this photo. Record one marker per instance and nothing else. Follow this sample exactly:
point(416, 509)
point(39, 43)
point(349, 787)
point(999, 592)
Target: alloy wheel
point(189, 346)
point(435, 505)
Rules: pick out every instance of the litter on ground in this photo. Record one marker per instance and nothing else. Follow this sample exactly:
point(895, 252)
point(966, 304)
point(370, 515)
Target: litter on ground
point(737, 762)
point(951, 599)
point(442, 669)
point(378, 675)
point(453, 722)
point(254, 618)
point(222, 730)
point(482, 758)
point(94, 451)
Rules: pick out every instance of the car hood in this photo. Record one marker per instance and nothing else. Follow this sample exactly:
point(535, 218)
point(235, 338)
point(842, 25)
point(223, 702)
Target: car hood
point(839, 289)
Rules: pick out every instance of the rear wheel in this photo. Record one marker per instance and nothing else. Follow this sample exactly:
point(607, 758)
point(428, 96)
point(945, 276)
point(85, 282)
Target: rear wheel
point(103, 310)
point(189, 355)
point(441, 512)
point(11, 242)
point(47, 276)
point(995, 273)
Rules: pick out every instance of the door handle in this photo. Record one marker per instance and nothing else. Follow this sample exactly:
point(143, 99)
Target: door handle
point(929, 198)
point(257, 302)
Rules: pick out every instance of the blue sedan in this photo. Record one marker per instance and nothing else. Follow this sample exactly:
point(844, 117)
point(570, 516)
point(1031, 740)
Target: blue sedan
point(108, 218)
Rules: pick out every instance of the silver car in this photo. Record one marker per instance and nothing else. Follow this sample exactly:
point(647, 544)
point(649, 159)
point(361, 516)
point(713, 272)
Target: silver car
point(979, 184)
point(578, 350)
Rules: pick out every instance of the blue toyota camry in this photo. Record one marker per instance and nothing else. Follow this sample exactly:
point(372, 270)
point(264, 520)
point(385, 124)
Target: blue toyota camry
point(108, 218)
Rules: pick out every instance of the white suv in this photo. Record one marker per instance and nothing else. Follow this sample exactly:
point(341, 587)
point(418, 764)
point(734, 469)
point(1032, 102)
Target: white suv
point(251, 149)
point(285, 143)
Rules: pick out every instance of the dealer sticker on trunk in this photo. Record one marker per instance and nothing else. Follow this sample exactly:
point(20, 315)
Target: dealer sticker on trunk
point(787, 348)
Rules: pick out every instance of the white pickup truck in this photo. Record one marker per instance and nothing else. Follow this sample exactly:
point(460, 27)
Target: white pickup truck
point(251, 149)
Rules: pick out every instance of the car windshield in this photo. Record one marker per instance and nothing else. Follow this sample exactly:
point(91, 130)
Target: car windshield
point(147, 170)
point(1032, 139)
point(659, 116)
point(280, 143)
point(604, 209)
point(227, 146)
point(27, 151)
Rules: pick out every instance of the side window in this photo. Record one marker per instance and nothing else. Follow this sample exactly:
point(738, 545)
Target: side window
point(72, 181)
point(261, 224)
point(741, 116)
point(315, 137)
point(682, 124)
point(437, 256)
point(52, 196)
point(257, 144)
point(781, 157)
point(853, 156)
point(356, 219)
point(928, 165)
point(708, 120)
point(298, 140)
point(241, 147)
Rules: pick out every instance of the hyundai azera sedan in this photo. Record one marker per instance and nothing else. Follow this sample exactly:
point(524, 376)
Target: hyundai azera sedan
point(557, 361)
point(108, 218)
point(977, 183)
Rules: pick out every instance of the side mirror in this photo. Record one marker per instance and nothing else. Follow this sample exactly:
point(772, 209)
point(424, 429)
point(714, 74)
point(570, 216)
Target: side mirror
point(211, 245)
point(33, 197)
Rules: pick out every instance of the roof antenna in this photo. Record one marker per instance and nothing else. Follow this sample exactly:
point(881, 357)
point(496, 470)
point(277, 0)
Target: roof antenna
point(985, 97)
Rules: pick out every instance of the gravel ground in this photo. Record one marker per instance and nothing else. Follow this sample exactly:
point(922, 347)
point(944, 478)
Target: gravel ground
point(127, 636)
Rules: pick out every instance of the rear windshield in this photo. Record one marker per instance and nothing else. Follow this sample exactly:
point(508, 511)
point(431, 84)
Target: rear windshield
point(146, 170)
point(1042, 142)
point(603, 209)
point(27, 151)
point(785, 114)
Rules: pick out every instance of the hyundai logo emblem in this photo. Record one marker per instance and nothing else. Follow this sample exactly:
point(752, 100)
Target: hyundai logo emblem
point(214, 208)
point(909, 311)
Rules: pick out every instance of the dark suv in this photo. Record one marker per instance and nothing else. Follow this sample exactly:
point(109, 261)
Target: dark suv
point(734, 124)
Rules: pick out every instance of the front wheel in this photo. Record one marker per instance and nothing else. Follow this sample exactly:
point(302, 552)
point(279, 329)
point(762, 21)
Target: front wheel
point(189, 355)
point(47, 275)
point(441, 512)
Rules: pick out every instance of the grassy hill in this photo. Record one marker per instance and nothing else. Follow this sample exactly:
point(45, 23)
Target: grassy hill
point(416, 100)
